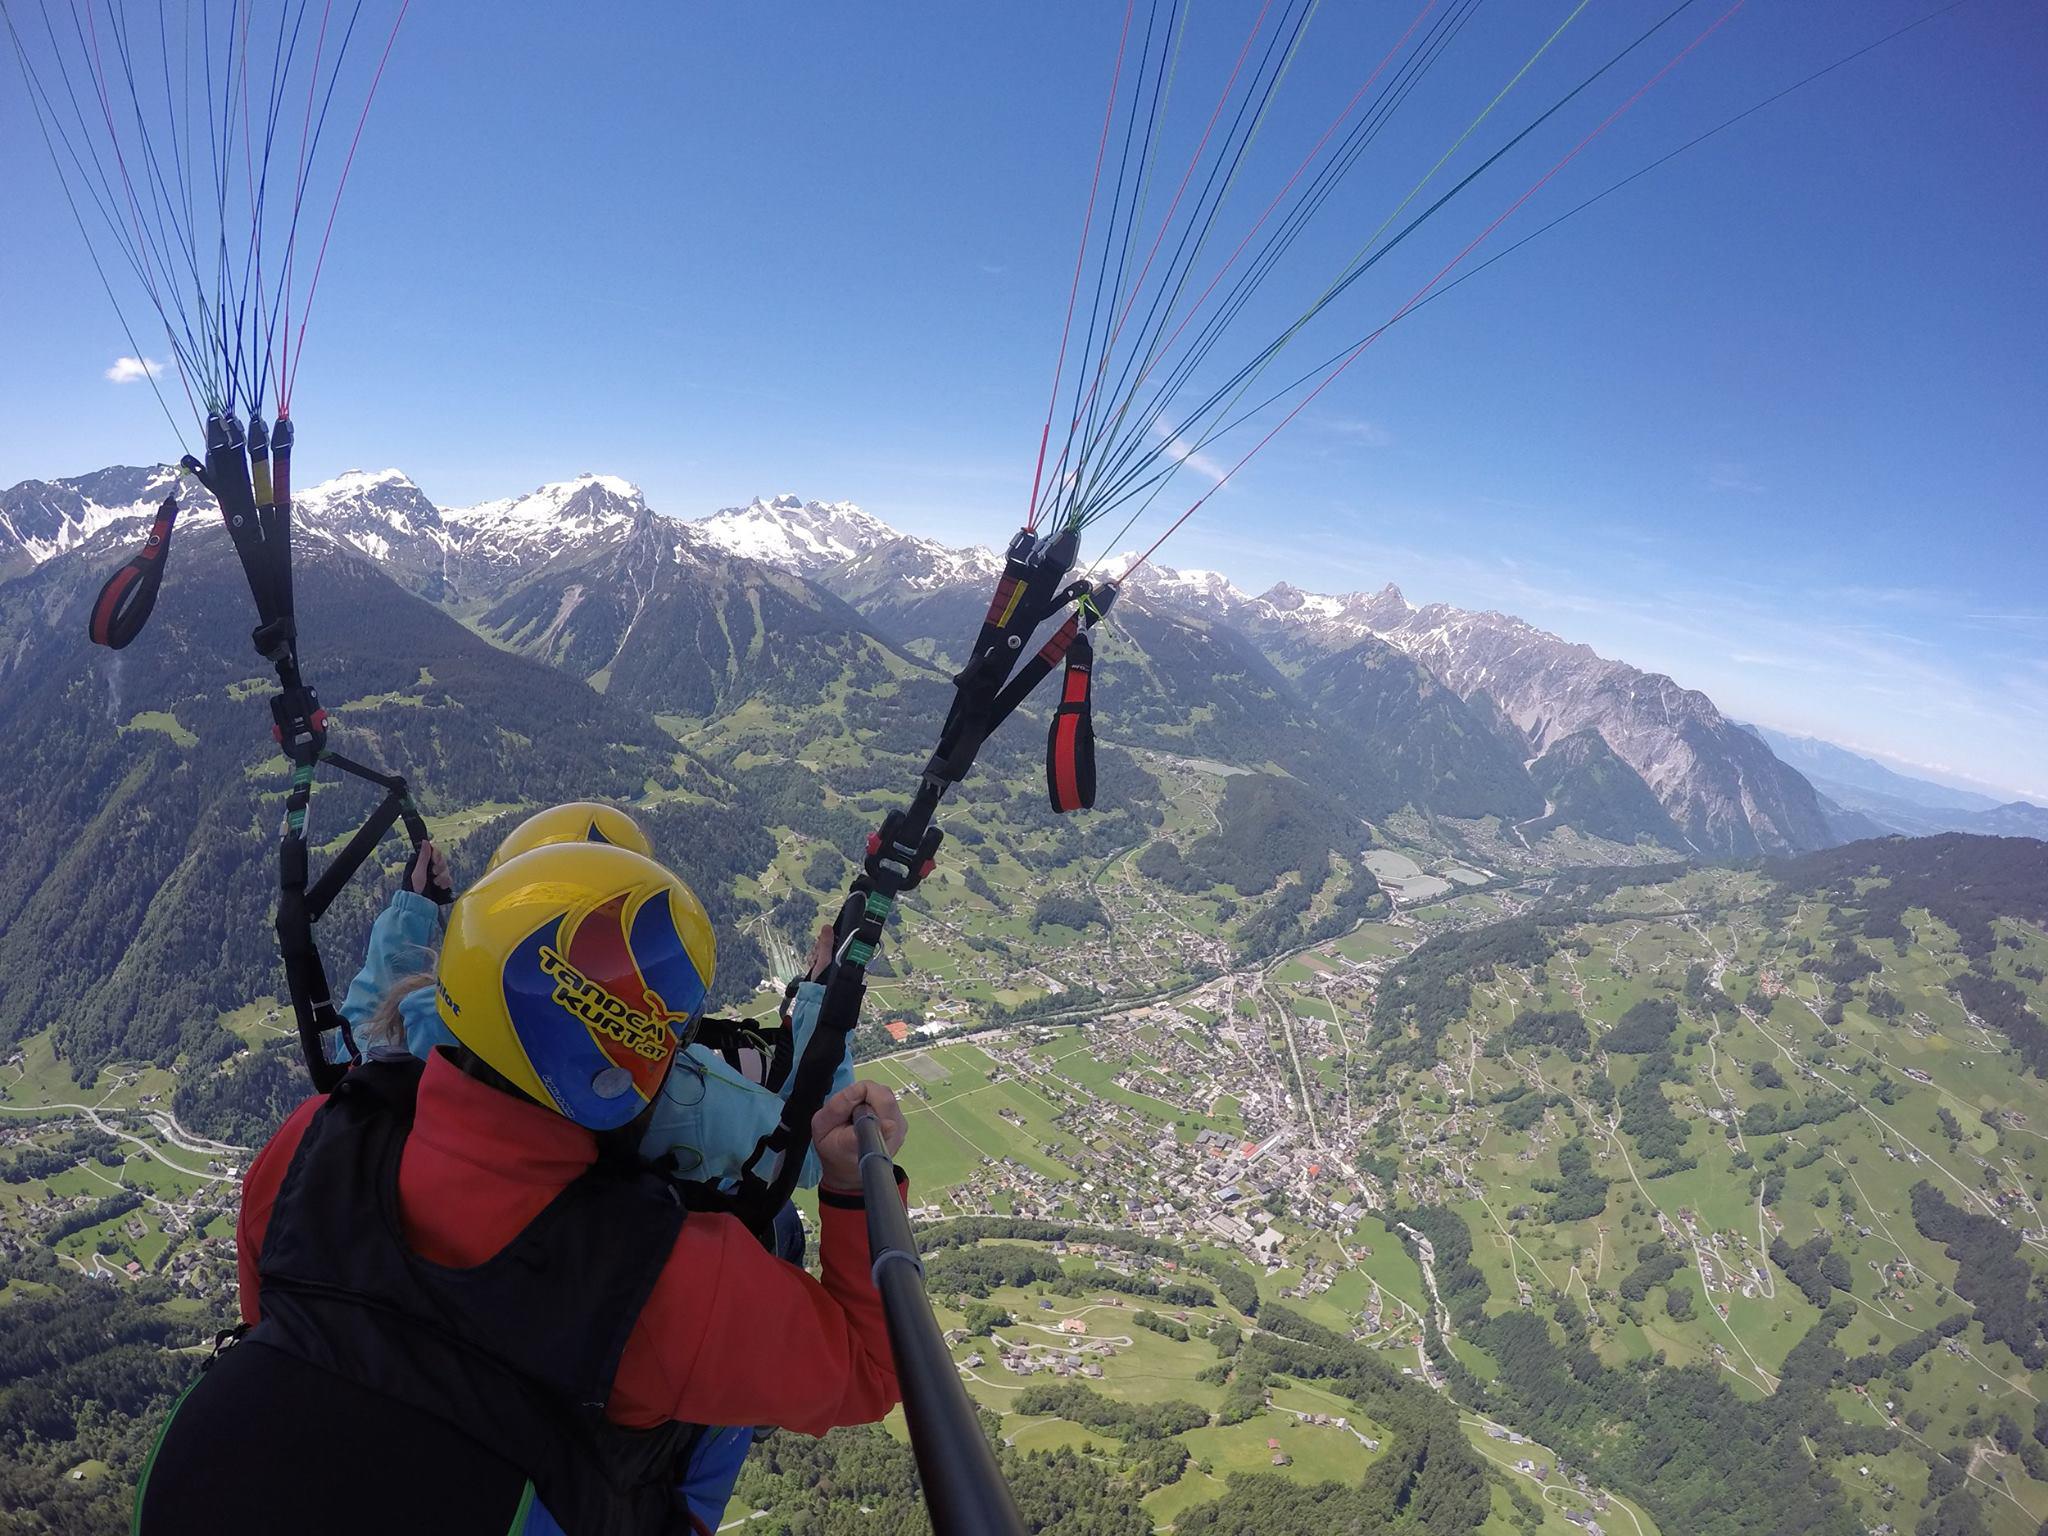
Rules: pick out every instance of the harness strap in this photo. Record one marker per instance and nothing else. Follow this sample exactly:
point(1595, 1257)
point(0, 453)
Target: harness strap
point(300, 906)
point(249, 476)
point(986, 692)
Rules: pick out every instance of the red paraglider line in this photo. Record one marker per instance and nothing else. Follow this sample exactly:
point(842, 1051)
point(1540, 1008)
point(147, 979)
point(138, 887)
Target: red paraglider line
point(1421, 293)
point(1080, 256)
point(299, 342)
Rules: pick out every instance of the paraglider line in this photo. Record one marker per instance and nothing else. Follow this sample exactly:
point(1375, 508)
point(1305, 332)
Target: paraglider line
point(1421, 293)
point(299, 342)
point(1080, 257)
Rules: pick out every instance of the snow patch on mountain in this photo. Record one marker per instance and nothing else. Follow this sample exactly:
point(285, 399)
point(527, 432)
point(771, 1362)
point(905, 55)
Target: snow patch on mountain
point(354, 481)
point(803, 536)
point(564, 510)
point(1208, 593)
point(1334, 621)
point(41, 519)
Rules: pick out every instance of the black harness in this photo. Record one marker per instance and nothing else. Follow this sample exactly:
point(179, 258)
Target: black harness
point(517, 1353)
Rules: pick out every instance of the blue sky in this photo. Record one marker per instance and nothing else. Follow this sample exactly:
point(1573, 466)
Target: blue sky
point(1770, 420)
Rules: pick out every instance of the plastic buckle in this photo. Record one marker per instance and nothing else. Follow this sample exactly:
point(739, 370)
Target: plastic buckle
point(896, 866)
point(299, 724)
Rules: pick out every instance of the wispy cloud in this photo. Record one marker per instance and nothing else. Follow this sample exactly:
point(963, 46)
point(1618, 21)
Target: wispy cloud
point(1726, 475)
point(1184, 452)
point(1369, 433)
point(1891, 597)
point(994, 268)
point(132, 370)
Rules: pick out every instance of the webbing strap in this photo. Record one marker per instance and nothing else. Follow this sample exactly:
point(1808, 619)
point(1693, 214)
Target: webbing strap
point(1070, 744)
point(397, 804)
point(300, 905)
point(249, 477)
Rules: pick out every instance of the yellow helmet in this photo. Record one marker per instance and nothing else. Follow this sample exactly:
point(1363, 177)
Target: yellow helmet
point(579, 821)
point(578, 971)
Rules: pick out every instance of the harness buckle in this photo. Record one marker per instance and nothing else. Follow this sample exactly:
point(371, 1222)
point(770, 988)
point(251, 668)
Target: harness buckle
point(299, 724)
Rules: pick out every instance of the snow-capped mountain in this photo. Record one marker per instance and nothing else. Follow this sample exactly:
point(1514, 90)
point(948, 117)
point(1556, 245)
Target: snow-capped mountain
point(803, 536)
point(947, 588)
point(1322, 621)
point(1536, 689)
point(1204, 592)
point(916, 565)
point(551, 516)
point(493, 543)
point(380, 514)
point(40, 519)
point(1720, 785)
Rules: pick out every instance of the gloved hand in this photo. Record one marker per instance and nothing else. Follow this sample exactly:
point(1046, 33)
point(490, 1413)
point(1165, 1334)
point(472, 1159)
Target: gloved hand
point(427, 874)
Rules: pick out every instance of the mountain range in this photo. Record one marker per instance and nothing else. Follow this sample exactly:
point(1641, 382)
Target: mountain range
point(1896, 802)
point(1387, 705)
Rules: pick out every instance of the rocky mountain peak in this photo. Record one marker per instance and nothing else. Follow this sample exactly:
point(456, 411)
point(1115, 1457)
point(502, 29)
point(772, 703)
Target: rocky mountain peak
point(1209, 593)
point(562, 508)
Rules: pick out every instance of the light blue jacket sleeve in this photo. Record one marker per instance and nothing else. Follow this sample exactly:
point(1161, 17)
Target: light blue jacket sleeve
point(404, 941)
point(709, 1117)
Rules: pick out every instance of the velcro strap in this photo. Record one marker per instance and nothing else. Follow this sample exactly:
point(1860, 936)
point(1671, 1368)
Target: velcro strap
point(1070, 746)
point(129, 596)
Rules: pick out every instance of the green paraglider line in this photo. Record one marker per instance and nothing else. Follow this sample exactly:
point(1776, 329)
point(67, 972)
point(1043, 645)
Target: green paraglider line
point(1152, 123)
point(1316, 149)
point(1693, 143)
point(1109, 244)
point(1181, 266)
point(1129, 483)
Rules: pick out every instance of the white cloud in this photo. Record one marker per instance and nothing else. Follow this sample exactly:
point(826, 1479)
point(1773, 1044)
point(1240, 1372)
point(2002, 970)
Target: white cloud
point(1370, 433)
point(1185, 452)
point(130, 370)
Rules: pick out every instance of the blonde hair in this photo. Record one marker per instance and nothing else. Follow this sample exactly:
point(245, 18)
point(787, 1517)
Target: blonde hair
point(385, 1026)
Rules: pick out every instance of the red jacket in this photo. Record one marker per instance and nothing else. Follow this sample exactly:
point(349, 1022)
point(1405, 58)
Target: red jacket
point(730, 1335)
